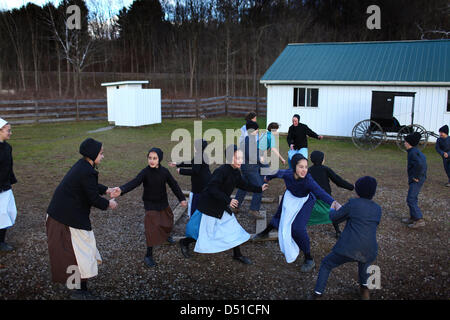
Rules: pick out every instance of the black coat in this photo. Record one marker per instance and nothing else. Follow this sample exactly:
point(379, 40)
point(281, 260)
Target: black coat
point(215, 199)
point(155, 192)
point(322, 175)
point(298, 136)
point(200, 174)
point(7, 177)
point(78, 191)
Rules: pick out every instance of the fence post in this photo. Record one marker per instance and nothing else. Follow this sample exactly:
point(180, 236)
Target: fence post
point(226, 105)
point(78, 110)
point(36, 112)
point(257, 113)
point(172, 107)
point(197, 107)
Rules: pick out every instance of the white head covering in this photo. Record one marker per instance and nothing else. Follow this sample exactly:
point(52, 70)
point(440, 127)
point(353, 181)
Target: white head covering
point(2, 123)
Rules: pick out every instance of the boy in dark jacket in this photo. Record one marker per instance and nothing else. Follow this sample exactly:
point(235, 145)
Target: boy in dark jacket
point(358, 241)
point(417, 174)
point(322, 175)
point(443, 148)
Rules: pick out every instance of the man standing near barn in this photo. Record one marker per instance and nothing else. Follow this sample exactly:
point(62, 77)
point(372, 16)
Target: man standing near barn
point(297, 138)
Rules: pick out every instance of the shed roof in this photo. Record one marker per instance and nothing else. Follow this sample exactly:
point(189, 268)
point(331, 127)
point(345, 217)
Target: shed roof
point(421, 62)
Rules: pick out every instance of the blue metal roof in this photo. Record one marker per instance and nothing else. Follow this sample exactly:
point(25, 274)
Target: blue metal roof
point(397, 61)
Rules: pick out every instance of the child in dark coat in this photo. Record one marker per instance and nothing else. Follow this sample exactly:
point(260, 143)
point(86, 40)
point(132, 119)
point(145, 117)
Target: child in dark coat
point(158, 220)
point(417, 174)
point(8, 210)
point(200, 175)
point(322, 175)
point(358, 241)
point(443, 148)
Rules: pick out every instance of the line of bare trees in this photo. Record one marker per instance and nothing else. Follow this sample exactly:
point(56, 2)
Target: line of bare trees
point(197, 47)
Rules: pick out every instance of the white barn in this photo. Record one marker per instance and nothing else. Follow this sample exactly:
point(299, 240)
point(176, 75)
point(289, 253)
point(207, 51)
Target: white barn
point(333, 86)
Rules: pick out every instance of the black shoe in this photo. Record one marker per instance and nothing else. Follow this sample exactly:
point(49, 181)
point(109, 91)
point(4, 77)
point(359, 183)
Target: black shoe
point(149, 262)
point(243, 260)
point(261, 235)
point(185, 250)
point(170, 240)
point(314, 296)
point(338, 234)
point(4, 247)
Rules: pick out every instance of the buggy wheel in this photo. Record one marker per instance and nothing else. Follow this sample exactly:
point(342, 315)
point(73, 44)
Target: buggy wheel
point(367, 135)
point(406, 130)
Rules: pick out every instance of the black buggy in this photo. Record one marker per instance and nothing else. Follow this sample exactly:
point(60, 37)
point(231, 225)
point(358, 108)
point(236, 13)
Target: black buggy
point(382, 125)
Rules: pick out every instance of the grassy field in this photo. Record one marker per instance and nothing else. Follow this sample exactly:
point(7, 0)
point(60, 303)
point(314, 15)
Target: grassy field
point(415, 263)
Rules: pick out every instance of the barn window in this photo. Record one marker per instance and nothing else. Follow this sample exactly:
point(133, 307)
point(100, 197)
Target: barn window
point(306, 97)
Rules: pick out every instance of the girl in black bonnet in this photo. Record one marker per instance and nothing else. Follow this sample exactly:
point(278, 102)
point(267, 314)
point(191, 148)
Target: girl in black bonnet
point(158, 220)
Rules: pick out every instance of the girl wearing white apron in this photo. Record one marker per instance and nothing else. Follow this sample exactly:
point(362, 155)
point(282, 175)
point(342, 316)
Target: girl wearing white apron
point(294, 211)
point(219, 229)
point(8, 211)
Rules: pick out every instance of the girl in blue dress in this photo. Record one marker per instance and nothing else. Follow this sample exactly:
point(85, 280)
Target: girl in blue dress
point(294, 211)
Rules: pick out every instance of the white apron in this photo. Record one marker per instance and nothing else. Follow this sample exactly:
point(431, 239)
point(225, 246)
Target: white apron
point(86, 252)
point(191, 195)
point(291, 207)
point(217, 235)
point(8, 210)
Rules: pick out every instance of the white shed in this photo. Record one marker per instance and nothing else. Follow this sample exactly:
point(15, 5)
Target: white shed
point(131, 105)
point(333, 86)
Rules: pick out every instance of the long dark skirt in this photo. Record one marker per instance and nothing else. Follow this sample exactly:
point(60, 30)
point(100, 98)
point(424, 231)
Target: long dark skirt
point(60, 250)
point(158, 226)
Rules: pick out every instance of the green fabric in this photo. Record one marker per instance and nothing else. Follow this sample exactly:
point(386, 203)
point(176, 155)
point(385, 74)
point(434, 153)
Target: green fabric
point(320, 214)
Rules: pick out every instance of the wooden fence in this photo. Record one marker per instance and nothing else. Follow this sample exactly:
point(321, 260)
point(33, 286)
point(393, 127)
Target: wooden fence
point(45, 111)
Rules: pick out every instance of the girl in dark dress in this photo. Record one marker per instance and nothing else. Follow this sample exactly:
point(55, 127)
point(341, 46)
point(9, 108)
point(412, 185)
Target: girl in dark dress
point(200, 175)
point(8, 211)
point(219, 229)
point(71, 241)
point(158, 220)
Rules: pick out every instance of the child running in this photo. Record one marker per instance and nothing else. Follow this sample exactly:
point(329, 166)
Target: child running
point(219, 229)
point(158, 220)
point(322, 175)
point(294, 211)
point(200, 175)
point(358, 242)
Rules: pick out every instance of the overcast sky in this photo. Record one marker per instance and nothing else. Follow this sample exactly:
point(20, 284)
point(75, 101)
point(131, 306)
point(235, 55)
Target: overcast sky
point(115, 5)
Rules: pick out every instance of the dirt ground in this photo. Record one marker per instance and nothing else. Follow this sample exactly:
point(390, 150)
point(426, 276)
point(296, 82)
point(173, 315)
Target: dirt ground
point(414, 264)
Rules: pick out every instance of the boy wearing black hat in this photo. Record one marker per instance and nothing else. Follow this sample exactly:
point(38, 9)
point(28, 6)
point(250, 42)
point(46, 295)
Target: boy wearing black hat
point(322, 175)
point(443, 148)
point(358, 241)
point(417, 174)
